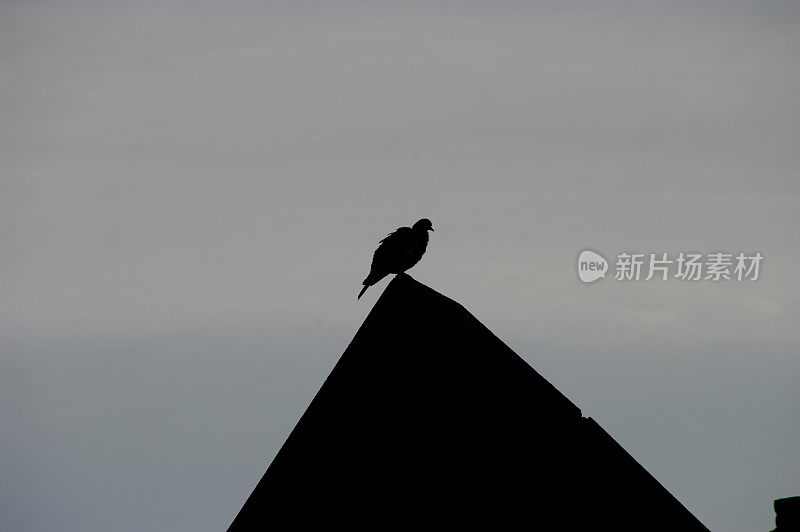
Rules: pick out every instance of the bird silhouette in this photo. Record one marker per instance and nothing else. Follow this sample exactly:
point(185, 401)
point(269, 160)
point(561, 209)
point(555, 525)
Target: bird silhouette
point(398, 252)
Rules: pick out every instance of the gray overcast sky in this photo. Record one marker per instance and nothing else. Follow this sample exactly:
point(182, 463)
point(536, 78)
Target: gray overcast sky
point(191, 194)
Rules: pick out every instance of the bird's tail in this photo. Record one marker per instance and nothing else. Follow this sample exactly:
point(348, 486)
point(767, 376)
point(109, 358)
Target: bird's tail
point(362, 291)
point(371, 279)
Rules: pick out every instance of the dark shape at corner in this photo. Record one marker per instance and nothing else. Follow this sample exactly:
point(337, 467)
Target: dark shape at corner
point(428, 419)
point(787, 514)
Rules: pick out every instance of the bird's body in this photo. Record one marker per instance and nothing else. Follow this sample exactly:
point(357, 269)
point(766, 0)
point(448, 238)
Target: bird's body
point(398, 252)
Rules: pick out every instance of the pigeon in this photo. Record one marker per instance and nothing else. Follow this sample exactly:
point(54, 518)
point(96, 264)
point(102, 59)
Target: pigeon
point(398, 252)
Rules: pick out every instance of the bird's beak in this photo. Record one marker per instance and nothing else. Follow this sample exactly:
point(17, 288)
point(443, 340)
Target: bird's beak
point(431, 228)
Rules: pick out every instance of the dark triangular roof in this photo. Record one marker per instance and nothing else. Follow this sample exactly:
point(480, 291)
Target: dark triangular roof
point(429, 419)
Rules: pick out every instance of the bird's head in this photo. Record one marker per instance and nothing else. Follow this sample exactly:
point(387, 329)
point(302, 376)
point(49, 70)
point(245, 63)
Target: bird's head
point(423, 225)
